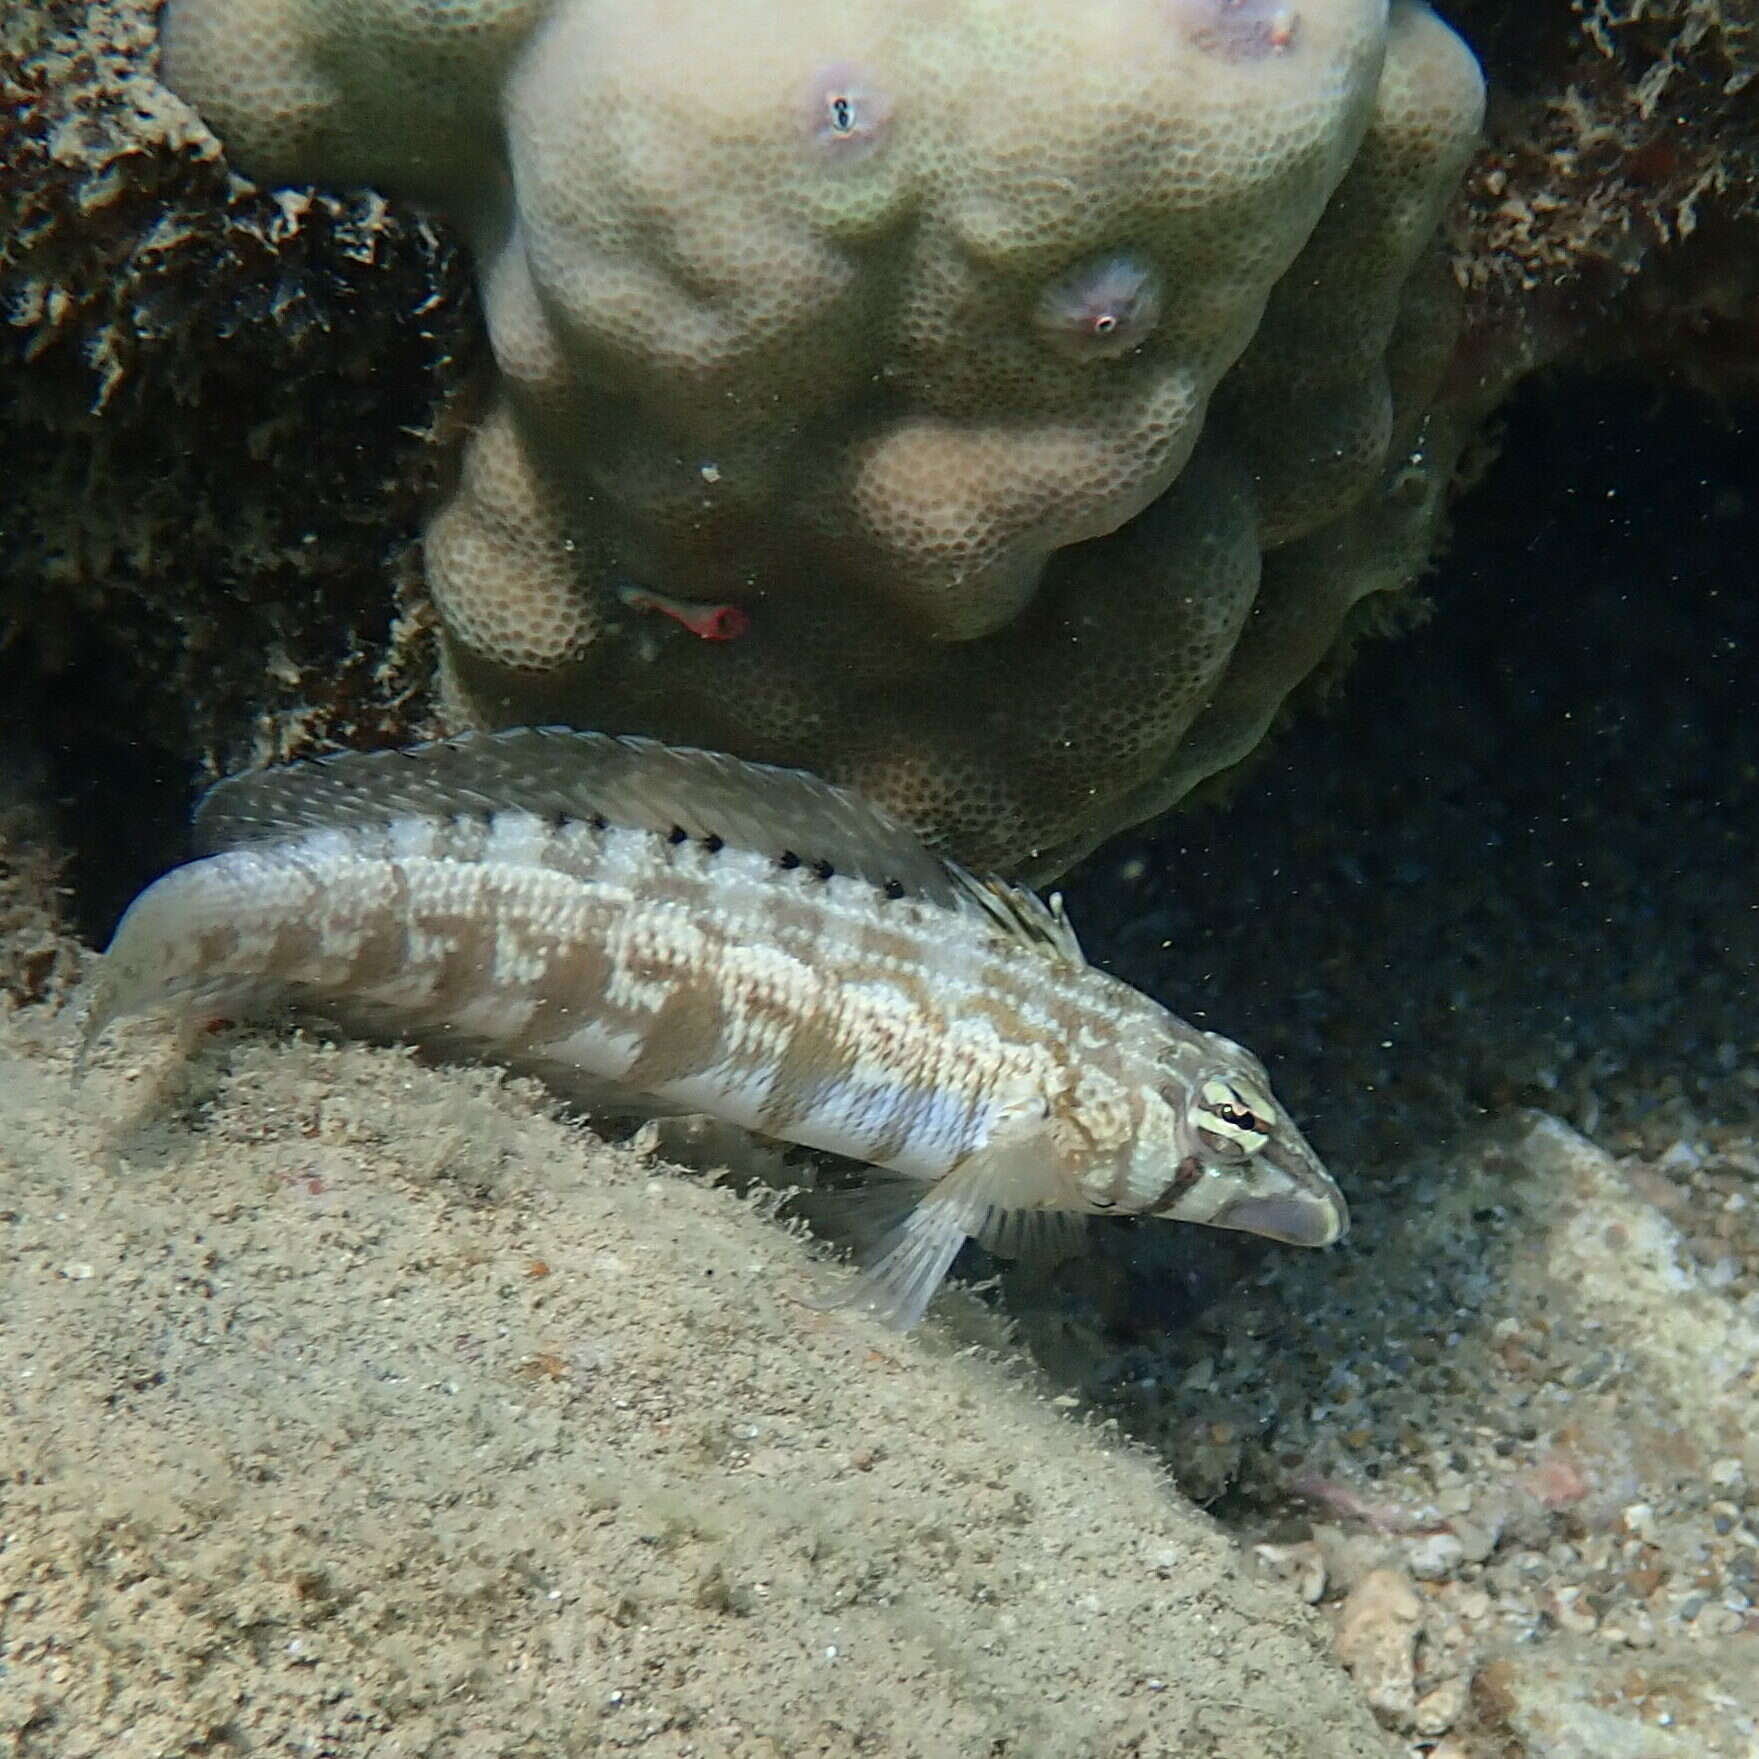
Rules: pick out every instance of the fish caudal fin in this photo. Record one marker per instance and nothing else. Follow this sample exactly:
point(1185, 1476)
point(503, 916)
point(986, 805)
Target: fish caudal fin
point(161, 957)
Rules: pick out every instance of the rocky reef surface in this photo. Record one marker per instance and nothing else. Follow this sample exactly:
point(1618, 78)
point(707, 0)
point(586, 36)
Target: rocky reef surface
point(1503, 967)
point(957, 445)
point(357, 1407)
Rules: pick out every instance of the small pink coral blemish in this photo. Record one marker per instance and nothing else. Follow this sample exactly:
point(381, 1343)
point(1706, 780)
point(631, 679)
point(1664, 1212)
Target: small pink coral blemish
point(710, 622)
point(1237, 30)
point(1101, 309)
point(847, 114)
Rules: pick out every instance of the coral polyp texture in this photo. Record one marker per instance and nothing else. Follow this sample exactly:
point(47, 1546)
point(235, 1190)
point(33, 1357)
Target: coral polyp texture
point(998, 407)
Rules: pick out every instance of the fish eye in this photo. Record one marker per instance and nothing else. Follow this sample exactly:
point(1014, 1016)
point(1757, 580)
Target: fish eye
point(1232, 1119)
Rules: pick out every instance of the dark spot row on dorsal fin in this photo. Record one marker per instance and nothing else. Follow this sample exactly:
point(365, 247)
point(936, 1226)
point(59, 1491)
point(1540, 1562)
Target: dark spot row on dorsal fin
point(565, 775)
point(562, 774)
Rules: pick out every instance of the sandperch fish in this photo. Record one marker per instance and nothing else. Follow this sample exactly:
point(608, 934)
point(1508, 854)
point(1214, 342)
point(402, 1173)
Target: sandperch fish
point(687, 930)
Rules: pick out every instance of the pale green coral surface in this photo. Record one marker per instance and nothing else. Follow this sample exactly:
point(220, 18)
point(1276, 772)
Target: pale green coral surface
point(1030, 390)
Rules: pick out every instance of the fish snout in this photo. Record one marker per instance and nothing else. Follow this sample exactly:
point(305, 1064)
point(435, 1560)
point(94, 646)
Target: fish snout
point(1292, 1199)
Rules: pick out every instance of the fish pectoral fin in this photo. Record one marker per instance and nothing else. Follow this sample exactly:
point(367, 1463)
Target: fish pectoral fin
point(899, 1280)
point(1005, 1193)
point(1040, 1237)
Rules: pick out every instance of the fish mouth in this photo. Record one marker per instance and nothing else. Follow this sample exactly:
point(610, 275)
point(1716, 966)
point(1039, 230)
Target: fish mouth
point(1292, 1199)
point(1296, 1201)
point(1296, 1218)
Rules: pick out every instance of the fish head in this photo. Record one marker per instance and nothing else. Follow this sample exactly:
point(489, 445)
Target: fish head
point(1215, 1147)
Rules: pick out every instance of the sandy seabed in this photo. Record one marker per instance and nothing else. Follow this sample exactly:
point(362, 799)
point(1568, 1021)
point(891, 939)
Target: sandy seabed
point(349, 1406)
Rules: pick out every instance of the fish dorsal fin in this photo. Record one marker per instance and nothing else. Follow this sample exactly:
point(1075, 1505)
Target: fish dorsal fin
point(638, 784)
point(560, 772)
point(1024, 916)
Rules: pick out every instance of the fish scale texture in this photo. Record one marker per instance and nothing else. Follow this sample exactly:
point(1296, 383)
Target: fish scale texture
point(1004, 363)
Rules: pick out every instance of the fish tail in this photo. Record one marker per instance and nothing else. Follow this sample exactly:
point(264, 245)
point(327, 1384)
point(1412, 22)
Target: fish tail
point(159, 957)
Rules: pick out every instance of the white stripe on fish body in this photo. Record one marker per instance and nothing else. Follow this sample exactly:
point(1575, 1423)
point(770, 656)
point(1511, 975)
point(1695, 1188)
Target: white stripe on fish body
point(413, 839)
point(907, 1010)
point(881, 1107)
point(471, 945)
point(569, 900)
point(844, 1063)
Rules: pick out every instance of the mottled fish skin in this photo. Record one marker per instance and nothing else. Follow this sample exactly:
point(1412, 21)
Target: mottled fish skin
point(561, 901)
